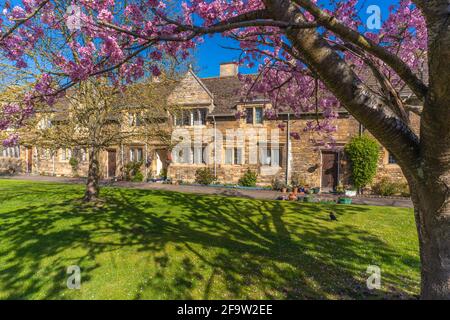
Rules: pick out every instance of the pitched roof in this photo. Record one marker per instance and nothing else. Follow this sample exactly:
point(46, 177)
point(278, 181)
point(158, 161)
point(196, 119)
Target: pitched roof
point(226, 92)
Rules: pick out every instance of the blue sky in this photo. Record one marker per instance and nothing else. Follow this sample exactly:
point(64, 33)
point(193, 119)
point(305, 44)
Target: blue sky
point(210, 54)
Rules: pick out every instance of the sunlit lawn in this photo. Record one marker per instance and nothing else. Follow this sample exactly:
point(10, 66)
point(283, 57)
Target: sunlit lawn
point(143, 244)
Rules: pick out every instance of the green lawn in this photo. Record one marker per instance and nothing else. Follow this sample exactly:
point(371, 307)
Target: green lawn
point(162, 245)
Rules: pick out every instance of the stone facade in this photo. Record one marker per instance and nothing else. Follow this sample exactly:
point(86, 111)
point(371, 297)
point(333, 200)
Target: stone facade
point(210, 105)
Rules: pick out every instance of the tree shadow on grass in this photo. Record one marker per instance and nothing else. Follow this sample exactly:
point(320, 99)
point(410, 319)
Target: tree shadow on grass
point(244, 245)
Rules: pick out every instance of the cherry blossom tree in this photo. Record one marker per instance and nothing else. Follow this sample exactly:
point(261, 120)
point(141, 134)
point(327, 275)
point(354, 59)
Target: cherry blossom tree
point(312, 55)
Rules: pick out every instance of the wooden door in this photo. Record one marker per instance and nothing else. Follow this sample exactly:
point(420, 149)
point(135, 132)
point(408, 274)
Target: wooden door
point(29, 160)
point(329, 170)
point(112, 163)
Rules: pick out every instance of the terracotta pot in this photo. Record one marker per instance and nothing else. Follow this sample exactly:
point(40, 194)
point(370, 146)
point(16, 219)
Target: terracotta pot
point(295, 190)
point(292, 196)
point(284, 190)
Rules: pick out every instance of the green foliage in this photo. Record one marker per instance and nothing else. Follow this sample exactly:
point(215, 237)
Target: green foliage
point(132, 169)
point(74, 164)
point(163, 173)
point(204, 176)
point(138, 177)
point(386, 187)
point(248, 179)
point(278, 184)
point(363, 153)
point(297, 181)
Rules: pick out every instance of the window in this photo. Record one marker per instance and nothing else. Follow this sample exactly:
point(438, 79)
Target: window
point(66, 154)
point(258, 115)
point(10, 152)
point(83, 152)
point(238, 156)
point(233, 156)
point(249, 115)
point(45, 123)
point(391, 159)
point(135, 119)
point(191, 117)
point(254, 115)
point(136, 154)
point(200, 155)
point(270, 156)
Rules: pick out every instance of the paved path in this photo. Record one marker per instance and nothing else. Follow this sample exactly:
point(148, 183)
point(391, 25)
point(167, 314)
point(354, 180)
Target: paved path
point(252, 194)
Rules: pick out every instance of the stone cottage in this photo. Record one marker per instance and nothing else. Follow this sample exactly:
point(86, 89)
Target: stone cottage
point(208, 107)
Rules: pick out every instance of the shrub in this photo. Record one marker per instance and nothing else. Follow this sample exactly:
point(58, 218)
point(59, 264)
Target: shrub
point(204, 176)
point(74, 164)
point(385, 187)
point(138, 177)
point(248, 179)
point(363, 153)
point(278, 184)
point(403, 189)
point(163, 173)
point(131, 169)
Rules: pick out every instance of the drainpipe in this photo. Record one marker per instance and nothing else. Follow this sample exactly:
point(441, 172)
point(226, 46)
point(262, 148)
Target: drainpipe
point(121, 158)
point(53, 162)
point(215, 147)
point(288, 140)
point(146, 157)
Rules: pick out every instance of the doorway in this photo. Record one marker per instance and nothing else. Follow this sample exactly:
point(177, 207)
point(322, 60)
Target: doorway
point(29, 159)
point(330, 161)
point(112, 163)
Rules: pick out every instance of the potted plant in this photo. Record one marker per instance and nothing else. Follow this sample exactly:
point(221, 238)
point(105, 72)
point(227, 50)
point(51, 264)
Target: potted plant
point(350, 192)
point(297, 182)
point(340, 189)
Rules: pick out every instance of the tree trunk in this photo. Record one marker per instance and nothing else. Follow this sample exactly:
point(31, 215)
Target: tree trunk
point(432, 212)
point(92, 189)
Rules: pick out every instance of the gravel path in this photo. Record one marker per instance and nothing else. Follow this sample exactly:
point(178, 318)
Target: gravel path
point(252, 194)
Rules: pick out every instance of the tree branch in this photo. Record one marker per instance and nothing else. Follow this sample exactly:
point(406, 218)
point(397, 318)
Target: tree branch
point(23, 20)
point(401, 68)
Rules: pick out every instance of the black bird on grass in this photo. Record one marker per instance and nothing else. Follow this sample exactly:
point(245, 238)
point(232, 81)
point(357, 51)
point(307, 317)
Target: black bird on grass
point(333, 217)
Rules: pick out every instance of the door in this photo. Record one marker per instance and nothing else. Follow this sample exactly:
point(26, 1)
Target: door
point(329, 170)
point(29, 160)
point(112, 163)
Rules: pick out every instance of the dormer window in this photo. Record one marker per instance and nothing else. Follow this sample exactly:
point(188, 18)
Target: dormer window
point(135, 119)
point(254, 115)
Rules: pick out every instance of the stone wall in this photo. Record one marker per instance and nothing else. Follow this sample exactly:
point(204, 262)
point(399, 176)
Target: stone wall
point(11, 166)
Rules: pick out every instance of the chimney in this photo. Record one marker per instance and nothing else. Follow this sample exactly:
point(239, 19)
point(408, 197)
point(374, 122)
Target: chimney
point(228, 69)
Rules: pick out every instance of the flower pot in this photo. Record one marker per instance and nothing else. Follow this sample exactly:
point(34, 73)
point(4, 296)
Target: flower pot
point(345, 201)
point(292, 196)
point(295, 190)
point(284, 190)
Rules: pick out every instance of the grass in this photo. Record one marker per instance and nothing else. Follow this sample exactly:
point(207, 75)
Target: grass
point(142, 244)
